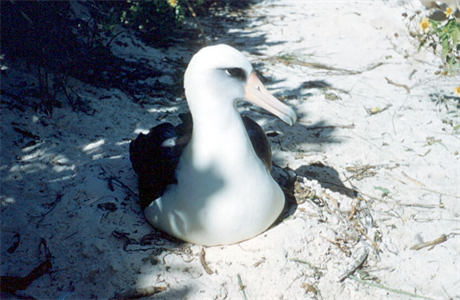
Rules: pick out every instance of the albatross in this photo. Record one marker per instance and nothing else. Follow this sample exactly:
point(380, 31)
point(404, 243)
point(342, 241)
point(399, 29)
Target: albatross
point(208, 180)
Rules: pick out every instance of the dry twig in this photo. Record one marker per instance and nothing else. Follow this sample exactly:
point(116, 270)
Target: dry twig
point(377, 248)
point(398, 85)
point(358, 259)
point(203, 262)
point(12, 284)
point(289, 60)
point(433, 243)
point(192, 11)
point(350, 126)
point(353, 209)
point(51, 205)
point(138, 293)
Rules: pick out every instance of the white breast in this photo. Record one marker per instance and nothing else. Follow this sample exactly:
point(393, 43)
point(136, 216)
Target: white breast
point(224, 194)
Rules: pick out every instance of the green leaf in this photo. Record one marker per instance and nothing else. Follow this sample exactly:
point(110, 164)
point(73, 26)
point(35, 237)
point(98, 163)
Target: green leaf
point(445, 47)
point(455, 33)
point(434, 23)
point(385, 191)
point(422, 43)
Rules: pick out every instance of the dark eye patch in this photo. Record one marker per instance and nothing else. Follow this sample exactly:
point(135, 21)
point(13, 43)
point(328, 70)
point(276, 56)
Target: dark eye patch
point(237, 73)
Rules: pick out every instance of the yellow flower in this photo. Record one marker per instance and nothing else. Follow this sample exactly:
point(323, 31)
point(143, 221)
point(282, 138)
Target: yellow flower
point(457, 90)
point(449, 12)
point(173, 3)
point(425, 25)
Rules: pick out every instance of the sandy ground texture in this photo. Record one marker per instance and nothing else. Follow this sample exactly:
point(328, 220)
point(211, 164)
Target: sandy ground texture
point(371, 170)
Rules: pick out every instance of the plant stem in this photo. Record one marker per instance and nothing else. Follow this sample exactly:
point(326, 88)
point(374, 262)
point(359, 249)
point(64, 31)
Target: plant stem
point(242, 287)
point(387, 288)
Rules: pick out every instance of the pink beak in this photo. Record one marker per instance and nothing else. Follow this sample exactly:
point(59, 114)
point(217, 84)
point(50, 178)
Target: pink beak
point(258, 94)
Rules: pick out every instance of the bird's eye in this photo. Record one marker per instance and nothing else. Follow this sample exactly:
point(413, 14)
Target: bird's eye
point(237, 73)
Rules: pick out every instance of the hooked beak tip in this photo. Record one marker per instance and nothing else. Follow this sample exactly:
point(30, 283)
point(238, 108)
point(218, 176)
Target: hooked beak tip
point(259, 95)
point(290, 119)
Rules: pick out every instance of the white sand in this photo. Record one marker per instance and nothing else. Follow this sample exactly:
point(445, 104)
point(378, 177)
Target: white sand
point(411, 149)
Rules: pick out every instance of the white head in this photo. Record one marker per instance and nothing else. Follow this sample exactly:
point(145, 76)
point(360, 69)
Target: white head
point(221, 75)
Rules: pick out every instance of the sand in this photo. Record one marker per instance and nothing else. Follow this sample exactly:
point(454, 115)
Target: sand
point(375, 154)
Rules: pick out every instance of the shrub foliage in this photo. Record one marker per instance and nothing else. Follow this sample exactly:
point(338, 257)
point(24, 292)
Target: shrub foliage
point(64, 39)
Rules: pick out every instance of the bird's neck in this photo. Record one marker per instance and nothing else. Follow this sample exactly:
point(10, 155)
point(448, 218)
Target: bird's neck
point(213, 114)
point(219, 134)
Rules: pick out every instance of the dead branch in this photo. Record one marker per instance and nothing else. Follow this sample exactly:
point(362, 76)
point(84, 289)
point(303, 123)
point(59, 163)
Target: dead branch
point(358, 260)
point(290, 61)
point(12, 284)
point(377, 248)
point(204, 263)
point(398, 85)
point(138, 293)
point(350, 126)
point(433, 243)
point(192, 11)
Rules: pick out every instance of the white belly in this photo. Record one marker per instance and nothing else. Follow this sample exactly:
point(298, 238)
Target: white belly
point(221, 204)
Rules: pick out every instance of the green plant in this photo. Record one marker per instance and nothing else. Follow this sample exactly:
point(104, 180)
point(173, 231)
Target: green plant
point(156, 22)
point(443, 37)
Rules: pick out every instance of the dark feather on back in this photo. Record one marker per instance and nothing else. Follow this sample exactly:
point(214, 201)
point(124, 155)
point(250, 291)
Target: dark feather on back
point(155, 155)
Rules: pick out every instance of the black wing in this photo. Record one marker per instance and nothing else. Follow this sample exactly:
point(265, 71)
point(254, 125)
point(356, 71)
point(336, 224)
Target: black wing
point(259, 141)
point(155, 156)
